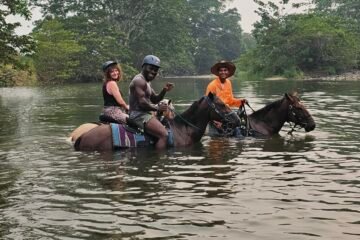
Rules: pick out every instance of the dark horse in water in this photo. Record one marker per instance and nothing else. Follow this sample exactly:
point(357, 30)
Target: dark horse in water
point(187, 128)
point(269, 120)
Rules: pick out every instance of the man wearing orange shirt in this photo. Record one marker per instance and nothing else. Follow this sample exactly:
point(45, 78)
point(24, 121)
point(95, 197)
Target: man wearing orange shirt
point(222, 87)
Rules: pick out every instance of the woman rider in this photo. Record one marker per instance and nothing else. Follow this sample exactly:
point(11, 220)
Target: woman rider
point(115, 107)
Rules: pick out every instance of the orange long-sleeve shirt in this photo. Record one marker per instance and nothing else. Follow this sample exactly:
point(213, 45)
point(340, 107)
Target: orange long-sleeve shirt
point(224, 92)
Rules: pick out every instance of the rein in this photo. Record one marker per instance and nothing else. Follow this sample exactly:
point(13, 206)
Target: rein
point(249, 106)
point(222, 115)
point(185, 121)
point(293, 128)
point(244, 118)
point(292, 113)
point(212, 106)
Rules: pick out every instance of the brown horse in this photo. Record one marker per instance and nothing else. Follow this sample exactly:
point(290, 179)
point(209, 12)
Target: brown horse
point(187, 128)
point(269, 120)
point(85, 127)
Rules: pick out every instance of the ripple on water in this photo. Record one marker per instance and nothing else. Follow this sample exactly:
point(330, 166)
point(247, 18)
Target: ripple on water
point(303, 186)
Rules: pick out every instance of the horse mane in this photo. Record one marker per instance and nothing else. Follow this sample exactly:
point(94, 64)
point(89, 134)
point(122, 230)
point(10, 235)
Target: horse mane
point(194, 106)
point(262, 111)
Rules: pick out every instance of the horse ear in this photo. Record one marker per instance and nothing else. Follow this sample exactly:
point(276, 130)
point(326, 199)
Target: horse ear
point(211, 96)
point(289, 97)
point(294, 93)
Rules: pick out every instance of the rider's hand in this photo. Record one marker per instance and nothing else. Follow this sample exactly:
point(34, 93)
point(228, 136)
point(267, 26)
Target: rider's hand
point(217, 124)
point(162, 107)
point(168, 86)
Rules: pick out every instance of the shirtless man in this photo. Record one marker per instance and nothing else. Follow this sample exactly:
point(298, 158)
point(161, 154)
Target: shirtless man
point(142, 100)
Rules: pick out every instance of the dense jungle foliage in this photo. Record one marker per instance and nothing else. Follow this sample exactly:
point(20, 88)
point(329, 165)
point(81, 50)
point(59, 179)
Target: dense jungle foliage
point(74, 38)
point(324, 40)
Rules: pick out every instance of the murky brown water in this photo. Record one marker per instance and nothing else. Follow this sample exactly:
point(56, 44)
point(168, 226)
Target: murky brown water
point(304, 186)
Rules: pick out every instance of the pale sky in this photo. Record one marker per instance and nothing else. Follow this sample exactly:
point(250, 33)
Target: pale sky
point(246, 9)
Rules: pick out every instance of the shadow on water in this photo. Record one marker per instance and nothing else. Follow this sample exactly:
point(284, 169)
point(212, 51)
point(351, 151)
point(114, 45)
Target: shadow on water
point(206, 160)
point(149, 191)
point(294, 143)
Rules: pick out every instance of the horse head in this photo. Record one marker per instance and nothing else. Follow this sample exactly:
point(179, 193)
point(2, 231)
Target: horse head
point(298, 114)
point(168, 114)
point(220, 111)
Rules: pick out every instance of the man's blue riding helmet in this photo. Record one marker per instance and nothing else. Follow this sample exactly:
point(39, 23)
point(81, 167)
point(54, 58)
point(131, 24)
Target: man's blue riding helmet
point(152, 60)
point(108, 64)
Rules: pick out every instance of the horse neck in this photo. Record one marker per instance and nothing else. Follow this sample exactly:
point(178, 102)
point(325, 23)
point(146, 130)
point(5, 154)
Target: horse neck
point(189, 126)
point(270, 119)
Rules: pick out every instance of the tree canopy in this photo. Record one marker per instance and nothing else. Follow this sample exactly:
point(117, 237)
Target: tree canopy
point(11, 44)
point(324, 40)
point(74, 38)
point(187, 35)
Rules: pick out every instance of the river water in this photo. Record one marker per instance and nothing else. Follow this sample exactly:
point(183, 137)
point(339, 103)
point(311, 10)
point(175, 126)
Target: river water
point(304, 186)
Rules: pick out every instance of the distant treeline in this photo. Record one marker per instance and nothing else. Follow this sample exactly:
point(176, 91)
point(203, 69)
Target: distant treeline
point(74, 38)
point(324, 40)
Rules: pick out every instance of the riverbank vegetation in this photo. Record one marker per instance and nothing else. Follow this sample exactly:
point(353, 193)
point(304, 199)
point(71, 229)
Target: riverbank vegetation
point(323, 41)
point(74, 38)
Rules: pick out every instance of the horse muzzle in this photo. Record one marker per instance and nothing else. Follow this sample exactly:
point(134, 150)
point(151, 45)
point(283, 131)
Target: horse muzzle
point(310, 125)
point(232, 119)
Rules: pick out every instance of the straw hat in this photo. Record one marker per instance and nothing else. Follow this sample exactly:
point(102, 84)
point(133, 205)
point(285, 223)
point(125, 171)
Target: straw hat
point(229, 65)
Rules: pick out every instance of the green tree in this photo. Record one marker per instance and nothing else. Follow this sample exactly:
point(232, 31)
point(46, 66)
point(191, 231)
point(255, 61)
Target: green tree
point(189, 36)
point(12, 44)
point(291, 44)
point(55, 59)
point(126, 30)
point(321, 43)
point(249, 41)
point(216, 32)
point(346, 9)
point(23, 75)
point(102, 42)
point(167, 33)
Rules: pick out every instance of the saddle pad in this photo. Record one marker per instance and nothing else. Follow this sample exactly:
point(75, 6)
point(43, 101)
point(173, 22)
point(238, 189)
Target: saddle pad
point(125, 139)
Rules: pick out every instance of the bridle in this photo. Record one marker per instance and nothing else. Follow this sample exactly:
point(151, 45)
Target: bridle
point(299, 120)
point(224, 116)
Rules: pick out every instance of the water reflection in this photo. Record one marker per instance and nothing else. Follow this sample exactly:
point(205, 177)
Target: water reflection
point(303, 186)
point(293, 143)
point(153, 189)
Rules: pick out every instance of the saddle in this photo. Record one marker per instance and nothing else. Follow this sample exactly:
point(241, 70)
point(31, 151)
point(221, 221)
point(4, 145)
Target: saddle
point(130, 125)
point(129, 135)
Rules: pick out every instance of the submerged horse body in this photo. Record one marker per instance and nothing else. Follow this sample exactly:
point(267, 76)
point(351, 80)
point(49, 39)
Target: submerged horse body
point(269, 120)
point(187, 128)
point(85, 127)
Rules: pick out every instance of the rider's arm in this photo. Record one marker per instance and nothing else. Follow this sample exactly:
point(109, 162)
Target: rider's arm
point(231, 101)
point(156, 98)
